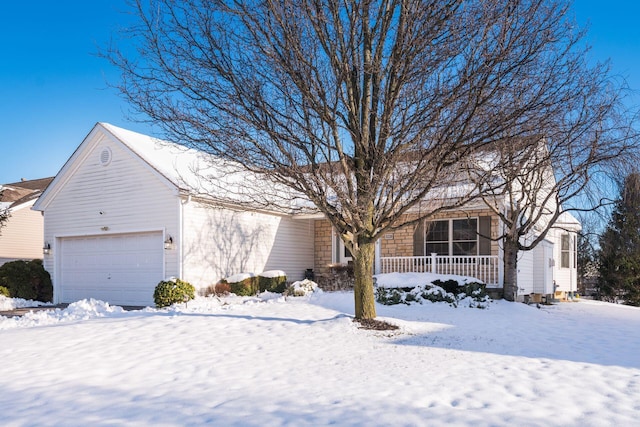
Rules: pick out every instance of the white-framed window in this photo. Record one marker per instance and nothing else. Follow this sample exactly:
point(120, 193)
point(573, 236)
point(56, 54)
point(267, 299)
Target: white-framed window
point(452, 237)
point(568, 251)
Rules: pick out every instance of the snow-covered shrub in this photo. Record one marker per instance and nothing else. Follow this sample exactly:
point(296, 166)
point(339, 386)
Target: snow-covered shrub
point(391, 296)
point(27, 279)
point(470, 294)
point(450, 285)
point(4, 291)
point(272, 281)
point(243, 284)
point(436, 293)
point(302, 288)
point(173, 291)
point(339, 277)
point(457, 288)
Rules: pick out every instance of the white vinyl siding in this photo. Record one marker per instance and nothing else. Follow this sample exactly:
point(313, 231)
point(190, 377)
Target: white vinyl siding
point(126, 196)
point(565, 277)
point(220, 242)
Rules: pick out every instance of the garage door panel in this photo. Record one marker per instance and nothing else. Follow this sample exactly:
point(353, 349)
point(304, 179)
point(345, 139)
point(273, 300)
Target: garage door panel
point(121, 269)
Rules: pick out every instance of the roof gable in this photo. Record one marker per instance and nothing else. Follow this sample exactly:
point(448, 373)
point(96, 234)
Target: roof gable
point(99, 134)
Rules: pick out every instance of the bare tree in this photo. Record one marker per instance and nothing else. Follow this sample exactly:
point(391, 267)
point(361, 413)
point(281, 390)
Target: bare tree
point(563, 160)
point(366, 108)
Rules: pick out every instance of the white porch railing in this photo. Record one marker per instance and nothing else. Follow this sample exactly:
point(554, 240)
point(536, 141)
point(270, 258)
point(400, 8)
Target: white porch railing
point(483, 267)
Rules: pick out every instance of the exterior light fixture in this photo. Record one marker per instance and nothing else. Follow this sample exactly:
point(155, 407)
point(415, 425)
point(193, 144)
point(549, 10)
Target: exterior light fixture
point(46, 249)
point(168, 244)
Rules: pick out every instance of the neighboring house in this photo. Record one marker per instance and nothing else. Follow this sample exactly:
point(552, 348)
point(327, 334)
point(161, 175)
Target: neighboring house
point(21, 235)
point(126, 211)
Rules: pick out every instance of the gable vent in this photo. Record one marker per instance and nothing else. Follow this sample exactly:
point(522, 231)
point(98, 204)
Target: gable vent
point(105, 157)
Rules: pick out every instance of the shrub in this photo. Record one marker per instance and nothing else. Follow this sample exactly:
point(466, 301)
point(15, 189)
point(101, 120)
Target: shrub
point(455, 288)
point(4, 291)
point(219, 289)
point(170, 292)
point(208, 291)
point(302, 288)
point(469, 294)
point(272, 281)
point(244, 284)
point(390, 296)
point(26, 279)
point(449, 286)
point(339, 277)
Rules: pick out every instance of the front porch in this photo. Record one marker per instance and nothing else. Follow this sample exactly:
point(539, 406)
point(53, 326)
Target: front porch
point(486, 268)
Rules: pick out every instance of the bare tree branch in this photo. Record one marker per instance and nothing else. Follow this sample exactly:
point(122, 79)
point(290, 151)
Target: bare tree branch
point(365, 107)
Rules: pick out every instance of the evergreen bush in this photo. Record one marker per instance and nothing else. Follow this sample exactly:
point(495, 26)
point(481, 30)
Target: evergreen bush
point(272, 281)
point(244, 284)
point(27, 279)
point(619, 255)
point(473, 294)
point(169, 292)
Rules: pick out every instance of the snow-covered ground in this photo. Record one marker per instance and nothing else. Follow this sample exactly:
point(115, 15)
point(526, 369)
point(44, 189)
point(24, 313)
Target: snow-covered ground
point(302, 362)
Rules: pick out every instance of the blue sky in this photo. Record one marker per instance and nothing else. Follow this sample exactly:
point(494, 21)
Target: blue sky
point(53, 88)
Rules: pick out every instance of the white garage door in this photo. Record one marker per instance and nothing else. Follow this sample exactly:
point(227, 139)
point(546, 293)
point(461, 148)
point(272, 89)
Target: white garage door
point(121, 269)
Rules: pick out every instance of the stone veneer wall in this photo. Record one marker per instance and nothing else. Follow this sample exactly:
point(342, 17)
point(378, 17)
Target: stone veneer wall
point(395, 243)
point(322, 257)
point(400, 242)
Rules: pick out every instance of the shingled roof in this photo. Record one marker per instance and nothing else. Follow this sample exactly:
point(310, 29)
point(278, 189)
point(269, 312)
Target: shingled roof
point(18, 193)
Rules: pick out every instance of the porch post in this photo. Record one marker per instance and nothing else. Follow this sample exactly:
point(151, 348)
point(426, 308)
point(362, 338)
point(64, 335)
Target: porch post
point(377, 262)
point(434, 267)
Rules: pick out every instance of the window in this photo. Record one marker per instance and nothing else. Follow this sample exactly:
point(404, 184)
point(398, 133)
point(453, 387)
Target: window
point(565, 251)
point(452, 237)
point(465, 237)
point(438, 237)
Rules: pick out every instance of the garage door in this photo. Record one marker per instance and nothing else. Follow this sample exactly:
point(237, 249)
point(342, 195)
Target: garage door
point(121, 269)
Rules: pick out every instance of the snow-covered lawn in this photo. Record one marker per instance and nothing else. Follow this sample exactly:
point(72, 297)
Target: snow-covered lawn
point(303, 362)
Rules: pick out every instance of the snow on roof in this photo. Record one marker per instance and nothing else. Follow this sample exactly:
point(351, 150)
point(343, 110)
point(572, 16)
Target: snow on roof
point(567, 218)
point(175, 162)
point(201, 173)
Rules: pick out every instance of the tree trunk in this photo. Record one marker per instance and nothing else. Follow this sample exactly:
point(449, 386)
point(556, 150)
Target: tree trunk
point(510, 269)
point(363, 289)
